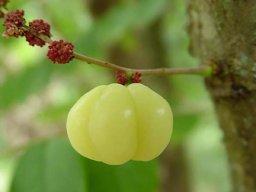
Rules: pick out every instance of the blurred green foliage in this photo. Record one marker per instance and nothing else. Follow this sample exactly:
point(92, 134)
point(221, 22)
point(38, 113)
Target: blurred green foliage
point(44, 167)
point(35, 97)
point(55, 167)
point(33, 78)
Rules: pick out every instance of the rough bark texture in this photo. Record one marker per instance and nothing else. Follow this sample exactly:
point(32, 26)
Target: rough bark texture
point(223, 31)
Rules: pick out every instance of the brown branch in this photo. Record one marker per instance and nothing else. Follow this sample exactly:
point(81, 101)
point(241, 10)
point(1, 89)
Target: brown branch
point(204, 70)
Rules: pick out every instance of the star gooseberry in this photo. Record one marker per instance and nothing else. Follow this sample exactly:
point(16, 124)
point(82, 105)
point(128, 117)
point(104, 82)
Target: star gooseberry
point(114, 124)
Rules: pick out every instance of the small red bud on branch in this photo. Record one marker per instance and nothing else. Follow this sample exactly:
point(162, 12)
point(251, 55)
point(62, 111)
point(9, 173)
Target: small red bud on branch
point(36, 28)
point(60, 52)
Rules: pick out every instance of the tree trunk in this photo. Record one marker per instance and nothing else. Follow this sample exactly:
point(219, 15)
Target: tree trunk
point(223, 32)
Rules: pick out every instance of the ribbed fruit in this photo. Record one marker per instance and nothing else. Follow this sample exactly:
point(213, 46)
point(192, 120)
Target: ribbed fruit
point(115, 123)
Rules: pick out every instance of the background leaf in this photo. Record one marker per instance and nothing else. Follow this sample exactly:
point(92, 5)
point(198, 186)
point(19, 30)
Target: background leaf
point(130, 177)
point(50, 166)
point(29, 81)
point(183, 125)
point(54, 166)
point(119, 20)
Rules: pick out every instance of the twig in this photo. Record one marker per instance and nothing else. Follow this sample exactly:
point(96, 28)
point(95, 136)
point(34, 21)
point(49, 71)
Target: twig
point(203, 70)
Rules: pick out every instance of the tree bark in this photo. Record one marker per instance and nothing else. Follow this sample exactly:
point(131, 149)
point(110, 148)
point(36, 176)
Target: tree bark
point(223, 32)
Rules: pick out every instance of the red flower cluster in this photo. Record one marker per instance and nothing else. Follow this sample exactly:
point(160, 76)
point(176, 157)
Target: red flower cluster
point(136, 77)
point(60, 52)
point(13, 23)
point(123, 78)
point(3, 3)
point(37, 27)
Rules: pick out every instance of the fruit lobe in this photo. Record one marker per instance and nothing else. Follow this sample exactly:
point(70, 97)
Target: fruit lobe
point(114, 124)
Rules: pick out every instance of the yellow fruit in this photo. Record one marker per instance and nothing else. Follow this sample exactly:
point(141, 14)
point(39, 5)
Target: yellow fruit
point(114, 124)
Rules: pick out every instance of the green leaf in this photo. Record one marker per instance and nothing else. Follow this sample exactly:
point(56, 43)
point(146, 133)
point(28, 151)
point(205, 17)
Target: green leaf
point(18, 87)
point(120, 19)
point(183, 125)
point(76, 19)
point(130, 177)
point(54, 113)
point(55, 167)
point(149, 10)
point(50, 167)
point(138, 177)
